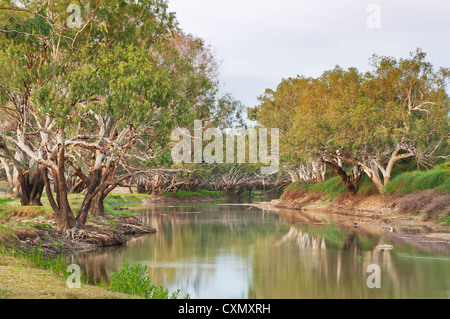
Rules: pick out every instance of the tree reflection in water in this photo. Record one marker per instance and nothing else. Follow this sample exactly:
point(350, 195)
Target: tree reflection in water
point(212, 250)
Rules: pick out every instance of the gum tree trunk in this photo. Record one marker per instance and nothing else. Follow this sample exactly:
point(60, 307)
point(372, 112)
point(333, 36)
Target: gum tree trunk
point(64, 215)
point(31, 192)
point(351, 183)
point(93, 188)
point(97, 206)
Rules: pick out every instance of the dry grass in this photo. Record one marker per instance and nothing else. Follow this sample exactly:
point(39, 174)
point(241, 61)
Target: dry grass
point(26, 213)
point(430, 204)
point(293, 194)
point(312, 198)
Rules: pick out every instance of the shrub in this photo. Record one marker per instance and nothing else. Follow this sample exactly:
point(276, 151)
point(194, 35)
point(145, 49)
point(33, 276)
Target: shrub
point(135, 281)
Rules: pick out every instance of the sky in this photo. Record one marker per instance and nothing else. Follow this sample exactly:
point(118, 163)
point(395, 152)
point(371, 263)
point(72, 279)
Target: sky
point(260, 42)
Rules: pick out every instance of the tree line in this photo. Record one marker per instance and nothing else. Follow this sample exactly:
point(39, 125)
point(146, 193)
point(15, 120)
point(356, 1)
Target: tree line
point(355, 123)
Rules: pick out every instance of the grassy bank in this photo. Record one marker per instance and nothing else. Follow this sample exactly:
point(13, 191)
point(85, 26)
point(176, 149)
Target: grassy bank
point(421, 194)
point(18, 223)
point(21, 280)
point(437, 179)
point(32, 275)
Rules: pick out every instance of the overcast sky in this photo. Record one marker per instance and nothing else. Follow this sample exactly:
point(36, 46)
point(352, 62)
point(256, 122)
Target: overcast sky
point(260, 42)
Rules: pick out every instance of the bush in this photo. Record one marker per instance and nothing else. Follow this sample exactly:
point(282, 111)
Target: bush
point(135, 281)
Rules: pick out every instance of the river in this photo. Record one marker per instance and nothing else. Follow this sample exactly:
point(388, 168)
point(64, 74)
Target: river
point(227, 249)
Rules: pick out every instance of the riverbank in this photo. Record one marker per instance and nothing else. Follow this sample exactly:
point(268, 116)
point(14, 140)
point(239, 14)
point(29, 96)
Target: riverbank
point(412, 196)
point(21, 280)
point(31, 232)
point(429, 209)
point(32, 227)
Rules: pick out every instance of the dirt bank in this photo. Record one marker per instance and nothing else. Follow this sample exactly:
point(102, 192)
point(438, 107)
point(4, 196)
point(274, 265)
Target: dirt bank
point(109, 231)
point(427, 208)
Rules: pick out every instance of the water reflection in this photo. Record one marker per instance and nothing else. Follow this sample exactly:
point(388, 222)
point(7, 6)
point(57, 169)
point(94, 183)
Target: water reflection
point(220, 250)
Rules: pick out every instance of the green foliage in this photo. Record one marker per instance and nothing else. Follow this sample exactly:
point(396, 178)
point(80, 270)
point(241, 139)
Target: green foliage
point(125, 198)
point(366, 186)
point(445, 186)
point(135, 281)
point(363, 116)
point(409, 182)
point(446, 166)
point(445, 221)
point(124, 80)
point(199, 193)
point(7, 201)
point(333, 186)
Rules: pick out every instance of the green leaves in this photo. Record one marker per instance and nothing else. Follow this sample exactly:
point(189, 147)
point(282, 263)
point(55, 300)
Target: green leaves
point(134, 280)
point(364, 115)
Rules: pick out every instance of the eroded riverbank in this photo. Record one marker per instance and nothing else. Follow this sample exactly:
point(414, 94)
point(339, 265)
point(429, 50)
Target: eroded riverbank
point(40, 232)
point(425, 210)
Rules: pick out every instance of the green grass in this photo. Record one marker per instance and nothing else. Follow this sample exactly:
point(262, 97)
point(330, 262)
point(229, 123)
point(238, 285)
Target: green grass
point(75, 200)
point(130, 200)
point(260, 193)
point(200, 193)
point(7, 201)
point(403, 182)
point(112, 199)
point(409, 182)
point(35, 257)
point(11, 210)
point(332, 186)
point(445, 221)
point(129, 280)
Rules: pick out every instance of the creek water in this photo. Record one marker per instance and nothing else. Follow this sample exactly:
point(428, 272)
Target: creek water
point(227, 249)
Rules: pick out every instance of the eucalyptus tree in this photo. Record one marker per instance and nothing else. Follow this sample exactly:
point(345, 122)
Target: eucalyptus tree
point(409, 114)
point(397, 111)
point(278, 108)
point(24, 42)
point(359, 123)
point(96, 91)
